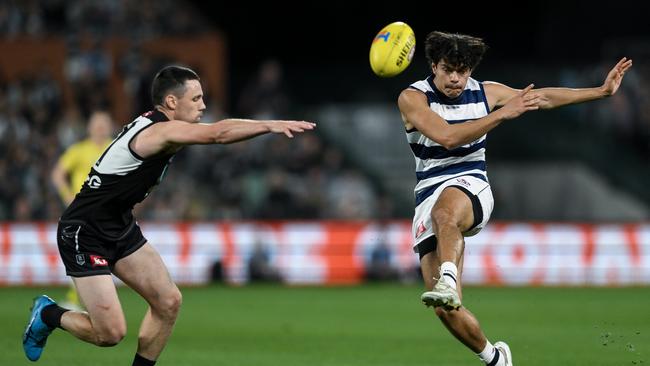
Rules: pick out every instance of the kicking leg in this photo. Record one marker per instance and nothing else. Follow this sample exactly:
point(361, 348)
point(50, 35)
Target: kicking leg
point(145, 272)
point(451, 216)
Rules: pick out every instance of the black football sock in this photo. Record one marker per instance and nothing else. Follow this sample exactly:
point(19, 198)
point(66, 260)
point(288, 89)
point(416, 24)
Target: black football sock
point(51, 315)
point(141, 361)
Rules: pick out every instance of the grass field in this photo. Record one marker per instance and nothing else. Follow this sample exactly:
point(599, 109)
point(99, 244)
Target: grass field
point(368, 325)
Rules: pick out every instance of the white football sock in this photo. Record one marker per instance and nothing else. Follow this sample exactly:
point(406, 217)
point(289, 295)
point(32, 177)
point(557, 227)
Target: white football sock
point(489, 354)
point(448, 272)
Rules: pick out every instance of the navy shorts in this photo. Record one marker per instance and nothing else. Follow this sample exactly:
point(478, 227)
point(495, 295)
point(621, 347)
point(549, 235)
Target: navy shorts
point(85, 252)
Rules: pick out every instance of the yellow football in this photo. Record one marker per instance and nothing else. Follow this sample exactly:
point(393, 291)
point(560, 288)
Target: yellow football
point(392, 49)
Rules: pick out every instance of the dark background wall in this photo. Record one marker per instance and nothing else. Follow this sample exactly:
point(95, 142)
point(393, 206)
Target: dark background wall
point(321, 33)
point(322, 38)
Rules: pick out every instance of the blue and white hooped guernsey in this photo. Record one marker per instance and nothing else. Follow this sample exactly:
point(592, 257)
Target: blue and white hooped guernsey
point(434, 164)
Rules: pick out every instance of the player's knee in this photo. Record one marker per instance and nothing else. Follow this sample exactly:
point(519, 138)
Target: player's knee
point(175, 301)
point(111, 337)
point(170, 303)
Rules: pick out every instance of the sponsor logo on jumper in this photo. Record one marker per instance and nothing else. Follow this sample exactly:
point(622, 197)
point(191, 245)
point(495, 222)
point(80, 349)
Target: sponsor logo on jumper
point(94, 182)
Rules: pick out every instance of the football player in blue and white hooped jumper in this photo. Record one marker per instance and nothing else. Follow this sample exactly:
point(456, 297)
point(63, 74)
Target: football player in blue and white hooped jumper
point(447, 117)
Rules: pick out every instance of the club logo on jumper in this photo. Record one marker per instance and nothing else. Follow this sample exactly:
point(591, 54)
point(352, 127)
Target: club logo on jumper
point(98, 261)
point(94, 182)
point(81, 259)
point(382, 35)
point(421, 229)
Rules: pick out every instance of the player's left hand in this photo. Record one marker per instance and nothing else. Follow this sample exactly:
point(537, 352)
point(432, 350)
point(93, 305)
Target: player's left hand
point(615, 76)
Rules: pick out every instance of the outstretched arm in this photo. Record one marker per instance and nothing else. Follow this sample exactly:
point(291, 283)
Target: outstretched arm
point(557, 97)
point(499, 94)
point(228, 131)
point(171, 134)
point(416, 113)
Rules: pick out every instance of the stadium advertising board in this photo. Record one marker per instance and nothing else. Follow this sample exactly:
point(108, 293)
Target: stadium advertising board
point(331, 252)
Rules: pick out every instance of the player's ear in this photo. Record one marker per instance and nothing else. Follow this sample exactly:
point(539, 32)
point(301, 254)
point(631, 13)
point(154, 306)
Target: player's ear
point(171, 101)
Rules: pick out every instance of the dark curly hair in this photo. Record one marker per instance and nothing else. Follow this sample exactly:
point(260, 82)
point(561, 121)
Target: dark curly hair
point(459, 51)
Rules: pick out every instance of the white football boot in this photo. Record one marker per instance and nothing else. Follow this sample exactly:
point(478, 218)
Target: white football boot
point(442, 295)
point(505, 352)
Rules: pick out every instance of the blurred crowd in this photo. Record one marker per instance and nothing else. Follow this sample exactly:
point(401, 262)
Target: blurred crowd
point(140, 19)
point(269, 177)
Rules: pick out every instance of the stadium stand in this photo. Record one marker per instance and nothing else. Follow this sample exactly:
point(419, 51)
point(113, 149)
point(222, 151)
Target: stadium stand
point(43, 110)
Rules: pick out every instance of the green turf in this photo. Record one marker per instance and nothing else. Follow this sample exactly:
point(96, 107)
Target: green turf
point(368, 325)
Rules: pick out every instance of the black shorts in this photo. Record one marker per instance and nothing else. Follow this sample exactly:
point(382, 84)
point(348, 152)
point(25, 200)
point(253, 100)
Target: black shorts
point(427, 246)
point(87, 253)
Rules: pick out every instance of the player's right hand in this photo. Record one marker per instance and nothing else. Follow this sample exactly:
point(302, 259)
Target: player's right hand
point(521, 103)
